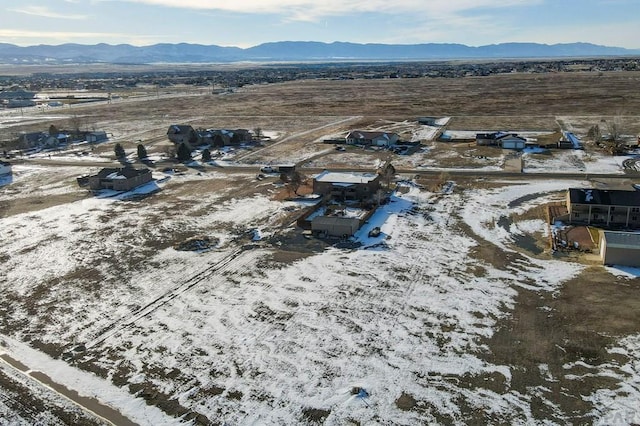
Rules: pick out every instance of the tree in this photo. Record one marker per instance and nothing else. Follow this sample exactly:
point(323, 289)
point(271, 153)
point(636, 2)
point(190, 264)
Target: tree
point(218, 140)
point(257, 133)
point(595, 134)
point(76, 122)
point(119, 151)
point(53, 130)
point(388, 173)
point(184, 154)
point(142, 152)
point(206, 156)
point(296, 180)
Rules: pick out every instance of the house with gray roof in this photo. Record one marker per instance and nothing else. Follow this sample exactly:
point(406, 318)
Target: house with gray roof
point(620, 248)
point(366, 138)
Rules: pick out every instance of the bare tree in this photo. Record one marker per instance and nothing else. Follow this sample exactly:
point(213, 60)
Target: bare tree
point(595, 134)
point(614, 127)
point(295, 181)
point(257, 133)
point(388, 173)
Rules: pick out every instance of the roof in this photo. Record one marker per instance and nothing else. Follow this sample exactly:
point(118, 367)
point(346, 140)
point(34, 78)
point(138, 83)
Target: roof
point(617, 239)
point(613, 197)
point(121, 173)
point(365, 135)
point(180, 128)
point(345, 177)
point(496, 135)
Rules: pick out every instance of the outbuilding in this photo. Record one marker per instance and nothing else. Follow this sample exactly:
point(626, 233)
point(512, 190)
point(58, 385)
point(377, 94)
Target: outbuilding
point(335, 226)
point(620, 248)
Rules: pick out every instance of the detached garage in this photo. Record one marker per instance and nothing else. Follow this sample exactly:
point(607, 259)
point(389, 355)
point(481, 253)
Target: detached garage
point(335, 226)
point(620, 248)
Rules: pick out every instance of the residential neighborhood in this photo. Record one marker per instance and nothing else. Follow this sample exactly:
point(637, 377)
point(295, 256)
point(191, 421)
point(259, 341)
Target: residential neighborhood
point(328, 250)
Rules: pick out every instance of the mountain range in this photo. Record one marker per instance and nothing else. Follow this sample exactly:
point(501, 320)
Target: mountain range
point(293, 51)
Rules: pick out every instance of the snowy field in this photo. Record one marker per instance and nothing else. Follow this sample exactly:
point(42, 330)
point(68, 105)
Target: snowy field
point(241, 338)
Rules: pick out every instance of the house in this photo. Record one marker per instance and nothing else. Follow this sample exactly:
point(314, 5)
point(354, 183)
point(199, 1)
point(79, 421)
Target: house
point(17, 98)
point(501, 139)
point(96, 136)
point(607, 208)
point(119, 179)
point(364, 138)
point(5, 168)
point(225, 137)
point(183, 133)
point(570, 141)
point(32, 140)
point(428, 121)
point(347, 186)
point(620, 248)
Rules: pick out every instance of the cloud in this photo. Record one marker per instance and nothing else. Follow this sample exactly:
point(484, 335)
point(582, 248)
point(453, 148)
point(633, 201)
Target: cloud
point(45, 13)
point(312, 10)
point(64, 36)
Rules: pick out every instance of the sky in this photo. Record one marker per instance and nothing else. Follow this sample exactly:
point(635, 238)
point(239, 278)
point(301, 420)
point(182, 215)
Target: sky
point(246, 23)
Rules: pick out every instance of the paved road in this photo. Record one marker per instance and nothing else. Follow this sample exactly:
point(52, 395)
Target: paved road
point(90, 406)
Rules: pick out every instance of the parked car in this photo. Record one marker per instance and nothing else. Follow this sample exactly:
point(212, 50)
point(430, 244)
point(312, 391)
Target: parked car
point(267, 169)
point(340, 148)
point(374, 232)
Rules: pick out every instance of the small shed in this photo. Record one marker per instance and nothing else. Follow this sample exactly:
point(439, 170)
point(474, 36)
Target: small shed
point(620, 248)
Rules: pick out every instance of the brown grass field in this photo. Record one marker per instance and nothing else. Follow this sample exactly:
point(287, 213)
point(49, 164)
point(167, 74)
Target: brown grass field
point(301, 112)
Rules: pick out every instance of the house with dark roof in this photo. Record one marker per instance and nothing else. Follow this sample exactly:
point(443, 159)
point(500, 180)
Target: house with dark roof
point(183, 133)
point(366, 138)
point(225, 137)
point(502, 139)
point(606, 208)
point(119, 179)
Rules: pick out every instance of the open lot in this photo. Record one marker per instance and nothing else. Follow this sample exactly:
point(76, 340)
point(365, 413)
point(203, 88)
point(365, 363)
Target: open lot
point(457, 313)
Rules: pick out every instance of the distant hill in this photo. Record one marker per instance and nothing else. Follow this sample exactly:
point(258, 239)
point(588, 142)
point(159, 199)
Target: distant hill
point(293, 51)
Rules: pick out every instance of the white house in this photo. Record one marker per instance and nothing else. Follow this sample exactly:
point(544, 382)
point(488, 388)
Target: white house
point(359, 137)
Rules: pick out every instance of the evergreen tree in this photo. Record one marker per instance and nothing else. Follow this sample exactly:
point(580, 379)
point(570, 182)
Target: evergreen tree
point(119, 151)
point(183, 153)
point(206, 156)
point(142, 152)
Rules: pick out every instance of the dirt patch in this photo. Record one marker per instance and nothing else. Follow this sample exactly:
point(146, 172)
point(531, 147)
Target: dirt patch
point(315, 415)
point(406, 402)
point(547, 332)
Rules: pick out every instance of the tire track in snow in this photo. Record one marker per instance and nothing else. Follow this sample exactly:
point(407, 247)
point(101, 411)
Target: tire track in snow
point(236, 259)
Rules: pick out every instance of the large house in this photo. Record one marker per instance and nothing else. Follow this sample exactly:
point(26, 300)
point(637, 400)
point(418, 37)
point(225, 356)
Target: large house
point(224, 137)
point(365, 138)
point(192, 138)
point(607, 208)
point(347, 186)
point(501, 139)
point(183, 133)
point(119, 179)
